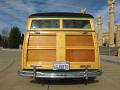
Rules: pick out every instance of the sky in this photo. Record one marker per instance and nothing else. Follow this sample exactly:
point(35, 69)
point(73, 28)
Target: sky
point(16, 12)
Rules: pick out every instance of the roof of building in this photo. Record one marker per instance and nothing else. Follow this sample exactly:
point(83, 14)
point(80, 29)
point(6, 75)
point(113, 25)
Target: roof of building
point(60, 14)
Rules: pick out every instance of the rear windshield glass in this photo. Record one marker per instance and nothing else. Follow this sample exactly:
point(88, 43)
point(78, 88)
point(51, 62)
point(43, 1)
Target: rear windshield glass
point(76, 24)
point(45, 24)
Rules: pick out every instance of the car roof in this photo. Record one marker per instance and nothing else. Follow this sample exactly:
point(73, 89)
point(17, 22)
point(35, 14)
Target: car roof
point(60, 14)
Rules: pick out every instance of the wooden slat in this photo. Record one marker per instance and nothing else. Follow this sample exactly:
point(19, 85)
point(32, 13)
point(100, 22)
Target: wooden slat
point(80, 55)
point(38, 33)
point(24, 50)
point(42, 40)
point(79, 33)
point(41, 47)
point(60, 47)
point(41, 55)
point(79, 40)
point(80, 47)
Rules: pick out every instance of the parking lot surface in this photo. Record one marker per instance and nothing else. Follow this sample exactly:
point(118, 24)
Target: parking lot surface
point(10, 61)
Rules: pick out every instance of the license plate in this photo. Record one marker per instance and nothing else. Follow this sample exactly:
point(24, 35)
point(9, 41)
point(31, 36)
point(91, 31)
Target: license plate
point(61, 66)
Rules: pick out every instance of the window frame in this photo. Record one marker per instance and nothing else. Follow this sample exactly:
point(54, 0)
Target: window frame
point(56, 22)
point(72, 22)
point(92, 26)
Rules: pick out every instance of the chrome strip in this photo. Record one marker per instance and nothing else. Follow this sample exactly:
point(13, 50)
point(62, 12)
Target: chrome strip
point(79, 74)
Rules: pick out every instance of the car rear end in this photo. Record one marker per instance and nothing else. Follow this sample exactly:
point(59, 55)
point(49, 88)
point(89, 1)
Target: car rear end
point(60, 46)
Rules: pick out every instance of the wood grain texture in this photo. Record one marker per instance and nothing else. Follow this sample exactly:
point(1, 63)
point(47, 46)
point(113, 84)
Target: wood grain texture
point(41, 55)
point(79, 40)
point(60, 47)
point(42, 40)
point(80, 55)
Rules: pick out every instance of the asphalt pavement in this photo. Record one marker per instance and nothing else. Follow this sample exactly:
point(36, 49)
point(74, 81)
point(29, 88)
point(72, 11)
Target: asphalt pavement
point(10, 62)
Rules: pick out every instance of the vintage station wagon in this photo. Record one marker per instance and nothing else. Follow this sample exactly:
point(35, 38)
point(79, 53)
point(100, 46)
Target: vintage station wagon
point(60, 45)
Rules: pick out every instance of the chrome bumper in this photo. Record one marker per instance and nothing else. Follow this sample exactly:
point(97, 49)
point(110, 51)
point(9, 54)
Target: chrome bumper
point(60, 74)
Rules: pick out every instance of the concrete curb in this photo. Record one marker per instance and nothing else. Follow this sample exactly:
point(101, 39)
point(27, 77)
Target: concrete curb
point(111, 59)
point(11, 49)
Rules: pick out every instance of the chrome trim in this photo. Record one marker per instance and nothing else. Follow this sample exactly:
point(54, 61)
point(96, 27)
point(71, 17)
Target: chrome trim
point(78, 74)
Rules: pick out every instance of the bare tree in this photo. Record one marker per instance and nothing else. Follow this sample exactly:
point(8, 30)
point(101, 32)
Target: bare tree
point(5, 36)
point(5, 33)
point(0, 40)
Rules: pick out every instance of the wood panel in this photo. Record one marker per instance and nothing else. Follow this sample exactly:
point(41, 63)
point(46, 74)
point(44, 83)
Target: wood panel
point(42, 40)
point(41, 55)
point(60, 47)
point(80, 55)
point(79, 40)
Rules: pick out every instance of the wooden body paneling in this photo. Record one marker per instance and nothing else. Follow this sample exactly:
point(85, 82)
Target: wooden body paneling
point(41, 55)
point(60, 44)
point(40, 48)
point(80, 55)
point(60, 47)
point(79, 40)
point(42, 40)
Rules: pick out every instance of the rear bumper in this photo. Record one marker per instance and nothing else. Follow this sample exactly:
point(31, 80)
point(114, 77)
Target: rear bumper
point(60, 74)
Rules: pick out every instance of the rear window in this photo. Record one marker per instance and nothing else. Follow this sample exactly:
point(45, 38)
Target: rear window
point(76, 24)
point(45, 24)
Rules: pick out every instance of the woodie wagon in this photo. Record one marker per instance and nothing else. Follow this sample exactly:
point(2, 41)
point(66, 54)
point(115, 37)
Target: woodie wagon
point(60, 45)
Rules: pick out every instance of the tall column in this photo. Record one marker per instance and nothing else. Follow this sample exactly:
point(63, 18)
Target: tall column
point(118, 38)
point(100, 30)
point(118, 35)
point(111, 4)
point(119, 52)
